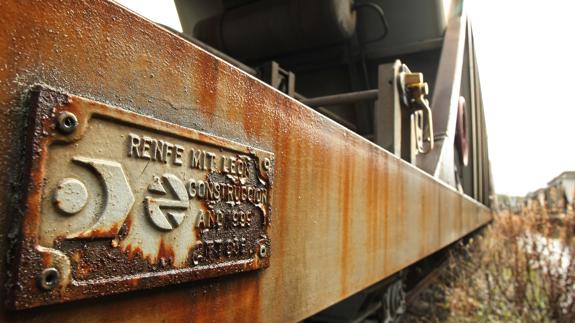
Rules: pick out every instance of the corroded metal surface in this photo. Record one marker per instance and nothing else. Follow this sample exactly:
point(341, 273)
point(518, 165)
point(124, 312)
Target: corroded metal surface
point(118, 201)
point(346, 214)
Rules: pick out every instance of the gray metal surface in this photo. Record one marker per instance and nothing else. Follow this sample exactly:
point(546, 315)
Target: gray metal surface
point(352, 97)
point(262, 29)
point(387, 111)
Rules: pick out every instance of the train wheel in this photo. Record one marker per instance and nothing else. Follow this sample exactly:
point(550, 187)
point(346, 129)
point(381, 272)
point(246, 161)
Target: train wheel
point(394, 303)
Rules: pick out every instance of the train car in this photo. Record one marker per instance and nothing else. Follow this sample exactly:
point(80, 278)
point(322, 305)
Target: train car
point(530, 203)
point(277, 161)
point(559, 193)
point(539, 201)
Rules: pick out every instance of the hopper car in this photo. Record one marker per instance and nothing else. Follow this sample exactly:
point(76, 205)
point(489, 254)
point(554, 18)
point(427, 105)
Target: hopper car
point(281, 160)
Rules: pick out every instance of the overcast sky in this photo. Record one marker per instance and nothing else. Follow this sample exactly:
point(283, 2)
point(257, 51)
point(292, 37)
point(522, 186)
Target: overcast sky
point(526, 56)
point(162, 11)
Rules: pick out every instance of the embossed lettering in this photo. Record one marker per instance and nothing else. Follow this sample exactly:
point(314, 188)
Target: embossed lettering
point(218, 248)
point(153, 149)
point(178, 155)
point(167, 152)
point(134, 144)
point(201, 219)
point(196, 158)
point(145, 153)
point(158, 150)
point(212, 161)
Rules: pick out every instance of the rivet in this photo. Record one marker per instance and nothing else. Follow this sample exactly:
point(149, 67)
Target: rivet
point(67, 122)
point(49, 278)
point(267, 164)
point(263, 251)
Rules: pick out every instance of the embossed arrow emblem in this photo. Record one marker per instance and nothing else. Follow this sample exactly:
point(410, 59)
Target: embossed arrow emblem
point(119, 198)
point(167, 214)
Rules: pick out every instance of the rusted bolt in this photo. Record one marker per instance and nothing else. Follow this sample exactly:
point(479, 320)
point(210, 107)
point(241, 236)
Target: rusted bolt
point(49, 278)
point(67, 122)
point(263, 250)
point(196, 259)
point(267, 164)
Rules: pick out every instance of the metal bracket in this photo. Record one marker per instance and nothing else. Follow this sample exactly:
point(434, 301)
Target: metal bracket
point(277, 77)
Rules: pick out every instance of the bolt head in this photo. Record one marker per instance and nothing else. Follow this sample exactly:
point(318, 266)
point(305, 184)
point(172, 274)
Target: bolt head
point(267, 164)
point(67, 122)
point(49, 278)
point(263, 252)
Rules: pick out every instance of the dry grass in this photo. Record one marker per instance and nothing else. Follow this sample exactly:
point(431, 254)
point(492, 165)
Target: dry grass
point(521, 269)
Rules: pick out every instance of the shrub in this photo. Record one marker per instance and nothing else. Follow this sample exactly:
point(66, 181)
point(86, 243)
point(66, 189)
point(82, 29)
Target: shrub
point(521, 268)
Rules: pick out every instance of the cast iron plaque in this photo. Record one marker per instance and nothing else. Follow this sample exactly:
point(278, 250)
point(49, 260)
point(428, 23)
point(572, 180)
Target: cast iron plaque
point(117, 201)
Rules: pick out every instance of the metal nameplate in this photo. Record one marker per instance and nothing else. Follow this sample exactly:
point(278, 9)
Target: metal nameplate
point(117, 201)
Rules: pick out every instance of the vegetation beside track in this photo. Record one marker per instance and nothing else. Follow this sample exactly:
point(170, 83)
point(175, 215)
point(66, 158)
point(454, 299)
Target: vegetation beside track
point(520, 269)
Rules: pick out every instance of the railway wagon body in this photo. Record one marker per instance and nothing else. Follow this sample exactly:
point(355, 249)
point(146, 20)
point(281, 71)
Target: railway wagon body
point(556, 197)
point(155, 176)
point(559, 193)
point(538, 202)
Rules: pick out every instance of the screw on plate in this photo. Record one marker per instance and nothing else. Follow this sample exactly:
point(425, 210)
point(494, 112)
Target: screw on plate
point(263, 250)
point(49, 278)
point(67, 122)
point(267, 164)
point(196, 259)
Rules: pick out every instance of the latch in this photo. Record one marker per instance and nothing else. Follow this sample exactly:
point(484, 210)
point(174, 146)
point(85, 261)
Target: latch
point(413, 92)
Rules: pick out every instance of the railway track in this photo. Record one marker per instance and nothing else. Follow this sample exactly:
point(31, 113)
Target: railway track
point(426, 282)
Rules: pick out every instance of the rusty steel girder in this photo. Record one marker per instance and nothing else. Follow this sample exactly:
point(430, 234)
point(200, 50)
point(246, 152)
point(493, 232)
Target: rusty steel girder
point(346, 213)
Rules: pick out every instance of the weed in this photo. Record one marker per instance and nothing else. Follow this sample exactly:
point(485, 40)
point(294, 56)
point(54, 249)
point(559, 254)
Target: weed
point(521, 269)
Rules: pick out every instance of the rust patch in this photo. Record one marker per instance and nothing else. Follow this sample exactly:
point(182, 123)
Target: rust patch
point(346, 197)
point(373, 205)
point(252, 119)
point(423, 223)
point(283, 149)
point(207, 69)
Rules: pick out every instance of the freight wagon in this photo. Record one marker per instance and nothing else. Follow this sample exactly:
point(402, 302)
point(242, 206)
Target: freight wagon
point(277, 161)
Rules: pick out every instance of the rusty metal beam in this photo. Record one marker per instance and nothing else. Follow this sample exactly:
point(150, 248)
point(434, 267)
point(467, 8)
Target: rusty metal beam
point(346, 213)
